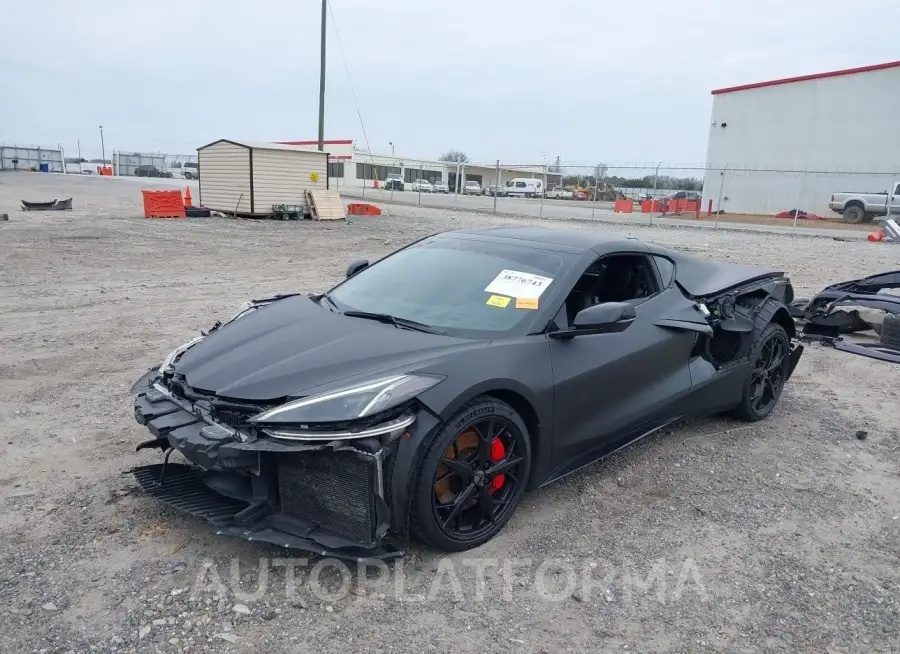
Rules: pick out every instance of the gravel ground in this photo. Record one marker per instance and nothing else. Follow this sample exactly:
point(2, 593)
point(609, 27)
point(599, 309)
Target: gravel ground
point(713, 536)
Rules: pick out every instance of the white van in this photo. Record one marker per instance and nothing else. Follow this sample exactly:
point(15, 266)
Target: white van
point(524, 186)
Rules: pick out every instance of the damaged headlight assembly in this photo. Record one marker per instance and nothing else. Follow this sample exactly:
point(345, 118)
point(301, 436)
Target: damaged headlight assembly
point(292, 420)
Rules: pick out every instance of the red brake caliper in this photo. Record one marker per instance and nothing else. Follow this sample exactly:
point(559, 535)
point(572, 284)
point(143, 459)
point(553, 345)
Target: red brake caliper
point(498, 452)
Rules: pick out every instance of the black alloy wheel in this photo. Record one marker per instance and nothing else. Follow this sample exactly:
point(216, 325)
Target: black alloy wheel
point(762, 390)
point(472, 476)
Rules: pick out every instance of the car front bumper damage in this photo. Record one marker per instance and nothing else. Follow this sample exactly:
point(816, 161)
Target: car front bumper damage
point(323, 497)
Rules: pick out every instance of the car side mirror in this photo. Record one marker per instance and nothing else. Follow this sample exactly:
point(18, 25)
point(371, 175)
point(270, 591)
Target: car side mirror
point(356, 266)
point(605, 318)
point(608, 316)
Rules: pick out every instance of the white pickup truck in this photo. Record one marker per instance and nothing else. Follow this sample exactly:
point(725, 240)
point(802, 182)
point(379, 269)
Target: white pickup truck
point(864, 207)
point(560, 193)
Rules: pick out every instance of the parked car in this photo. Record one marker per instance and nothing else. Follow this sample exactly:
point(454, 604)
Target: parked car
point(560, 193)
point(394, 183)
point(422, 185)
point(472, 188)
point(493, 189)
point(864, 207)
point(422, 396)
point(524, 187)
point(190, 170)
point(148, 170)
point(581, 195)
point(690, 196)
point(441, 187)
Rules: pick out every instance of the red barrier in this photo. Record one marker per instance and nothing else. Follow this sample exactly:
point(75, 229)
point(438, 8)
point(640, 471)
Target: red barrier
point(623, 206)
point(163, 204)
point(361, 209)
point(648, 206)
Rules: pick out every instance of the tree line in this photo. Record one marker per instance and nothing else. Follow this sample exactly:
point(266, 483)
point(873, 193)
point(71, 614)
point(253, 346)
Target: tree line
point(663, 182)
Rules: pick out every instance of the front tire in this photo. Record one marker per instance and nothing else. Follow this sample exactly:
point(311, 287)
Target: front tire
point(762, 389)
point(472, 476)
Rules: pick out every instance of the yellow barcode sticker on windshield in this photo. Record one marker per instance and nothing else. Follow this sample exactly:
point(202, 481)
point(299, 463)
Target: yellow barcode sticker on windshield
point(498, 301)
point(526, 303)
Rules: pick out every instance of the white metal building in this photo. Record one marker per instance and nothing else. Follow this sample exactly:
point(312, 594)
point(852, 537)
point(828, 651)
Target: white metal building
point(791, 143)
point(249, 178)
point(26, 157)
point(353, 169)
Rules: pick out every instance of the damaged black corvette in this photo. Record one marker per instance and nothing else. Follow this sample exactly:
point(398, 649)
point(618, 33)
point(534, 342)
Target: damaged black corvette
point(423, 395)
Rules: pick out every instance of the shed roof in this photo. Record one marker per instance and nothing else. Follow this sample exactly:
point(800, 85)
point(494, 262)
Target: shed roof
point(263, 145)
point(807, 78)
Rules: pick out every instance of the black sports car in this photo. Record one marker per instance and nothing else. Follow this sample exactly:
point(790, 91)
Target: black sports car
point(427, 392)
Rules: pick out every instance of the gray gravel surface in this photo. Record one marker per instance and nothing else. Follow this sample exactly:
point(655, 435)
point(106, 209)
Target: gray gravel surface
point(782, 536)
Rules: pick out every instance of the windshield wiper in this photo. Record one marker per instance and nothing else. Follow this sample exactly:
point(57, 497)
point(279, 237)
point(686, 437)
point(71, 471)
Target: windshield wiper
point(401, 323)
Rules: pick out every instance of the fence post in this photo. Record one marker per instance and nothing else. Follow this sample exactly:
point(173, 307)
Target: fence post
point(891, 196)
point(543, 191)
point(721, 189)
point(799, 198)
point(497, 186)
point(596, 187)
point(653, 195)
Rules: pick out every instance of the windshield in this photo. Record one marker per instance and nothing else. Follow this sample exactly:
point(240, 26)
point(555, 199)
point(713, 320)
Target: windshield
point(465, 288)
point(188, 164)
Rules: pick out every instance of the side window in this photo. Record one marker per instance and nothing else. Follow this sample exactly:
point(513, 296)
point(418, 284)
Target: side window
point(520, 184)
point(666, 270)
point(614, 278)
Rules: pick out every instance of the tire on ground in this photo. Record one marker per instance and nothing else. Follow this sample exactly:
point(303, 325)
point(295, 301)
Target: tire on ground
point(423, 522)
point(890, 331)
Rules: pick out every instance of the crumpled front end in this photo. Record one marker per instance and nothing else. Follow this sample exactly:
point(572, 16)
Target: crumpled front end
point(326, 497)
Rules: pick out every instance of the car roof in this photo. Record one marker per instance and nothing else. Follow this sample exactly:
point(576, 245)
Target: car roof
point(573, 240)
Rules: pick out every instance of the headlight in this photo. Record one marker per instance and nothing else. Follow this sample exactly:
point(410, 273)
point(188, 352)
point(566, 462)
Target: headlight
point(351, 402)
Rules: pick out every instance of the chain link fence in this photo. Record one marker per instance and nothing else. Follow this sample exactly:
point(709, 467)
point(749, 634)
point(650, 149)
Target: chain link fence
point(155, 164)
point(640, 193)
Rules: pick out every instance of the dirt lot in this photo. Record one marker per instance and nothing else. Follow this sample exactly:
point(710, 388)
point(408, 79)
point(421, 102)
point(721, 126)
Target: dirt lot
point(713, 536)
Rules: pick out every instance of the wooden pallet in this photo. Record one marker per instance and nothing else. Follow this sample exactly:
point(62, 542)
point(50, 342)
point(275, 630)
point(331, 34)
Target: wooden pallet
point(325, 205)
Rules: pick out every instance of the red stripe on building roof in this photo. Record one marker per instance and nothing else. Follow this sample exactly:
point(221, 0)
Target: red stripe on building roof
point(806, 78)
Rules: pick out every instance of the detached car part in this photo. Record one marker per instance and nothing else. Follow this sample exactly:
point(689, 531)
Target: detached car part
point(851, 306)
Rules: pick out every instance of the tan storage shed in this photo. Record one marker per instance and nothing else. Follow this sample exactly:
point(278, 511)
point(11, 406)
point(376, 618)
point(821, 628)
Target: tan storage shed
point(248, 178)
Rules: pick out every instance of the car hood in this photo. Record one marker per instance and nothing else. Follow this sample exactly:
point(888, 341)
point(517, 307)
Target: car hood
point(292, 345)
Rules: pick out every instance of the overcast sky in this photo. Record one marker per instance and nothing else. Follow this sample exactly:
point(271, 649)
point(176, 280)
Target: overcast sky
point(584, 80)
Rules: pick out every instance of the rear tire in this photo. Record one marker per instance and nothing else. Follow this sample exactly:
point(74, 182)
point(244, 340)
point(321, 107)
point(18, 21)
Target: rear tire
point(854, 215)
point(483, 508)
point(770, 357)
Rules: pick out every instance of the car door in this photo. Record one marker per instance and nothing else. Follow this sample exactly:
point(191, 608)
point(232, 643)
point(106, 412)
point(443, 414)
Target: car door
point(613, 387)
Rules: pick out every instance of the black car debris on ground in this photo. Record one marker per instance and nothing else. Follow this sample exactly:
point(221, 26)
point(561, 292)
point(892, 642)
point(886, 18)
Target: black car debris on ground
point(422, 396)
point(856, 305)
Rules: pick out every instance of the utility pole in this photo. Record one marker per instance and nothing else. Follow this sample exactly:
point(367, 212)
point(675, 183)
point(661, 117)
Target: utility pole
point(102, 146)
point(322, 81)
